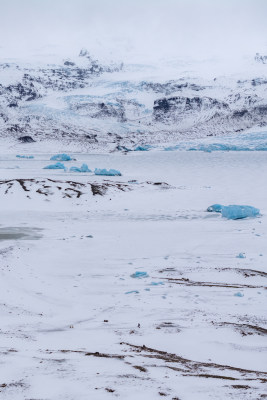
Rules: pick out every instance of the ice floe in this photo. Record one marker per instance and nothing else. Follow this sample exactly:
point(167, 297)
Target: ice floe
point(61, 157)
point(105, 172)
point(235, 211)
point(58, 165)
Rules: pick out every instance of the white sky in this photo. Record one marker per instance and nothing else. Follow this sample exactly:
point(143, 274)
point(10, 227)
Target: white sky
point(133, 30)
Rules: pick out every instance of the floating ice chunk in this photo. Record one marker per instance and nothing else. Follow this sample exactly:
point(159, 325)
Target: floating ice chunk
point(239, 294)
point(241, 255)
point(144, 147)
point(140, 274)
point(75, 169)
point(27, 157)
point(84, 168)
point(132, 291)
point(61, 157)
point(58, 165)
point(234, 211)
point(215, 208)
point(239, 212)
point(110, 172)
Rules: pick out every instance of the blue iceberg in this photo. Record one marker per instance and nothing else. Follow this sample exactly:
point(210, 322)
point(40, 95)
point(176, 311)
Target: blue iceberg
point(58, 165)
point(215, 208)
point(132, 291)
point(239, 212)
point(110, 172)
point(140, 274)
point(241, 255)
point(61, 157)
point(84, 168)
point(239, 294)
point(235, 211)
point(27, 157)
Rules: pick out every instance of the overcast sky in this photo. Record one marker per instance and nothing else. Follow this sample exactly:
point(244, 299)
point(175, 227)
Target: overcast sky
point(132, 29)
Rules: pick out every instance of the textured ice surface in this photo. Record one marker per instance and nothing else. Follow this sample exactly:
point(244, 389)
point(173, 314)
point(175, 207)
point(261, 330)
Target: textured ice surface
point(105, 172)
point(61, 157)
point(58, 165)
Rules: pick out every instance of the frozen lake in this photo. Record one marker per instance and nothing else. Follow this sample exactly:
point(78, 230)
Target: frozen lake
point(73, 317)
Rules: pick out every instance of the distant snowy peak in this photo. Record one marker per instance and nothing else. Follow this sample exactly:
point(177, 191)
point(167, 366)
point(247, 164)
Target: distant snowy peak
point(30, 83)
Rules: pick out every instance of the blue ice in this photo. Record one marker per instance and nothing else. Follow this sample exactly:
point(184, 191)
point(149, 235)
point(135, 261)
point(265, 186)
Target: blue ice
point(110, 172)
point(239, 212)
point(58, 165)
point(140, 274)
point(61, 157)
point(28, 157)
point(239, 294)
point(144, 147)
point(215, 208)
point(132, 291)
point(241, 255)
point(84, 168)
point(234, 211)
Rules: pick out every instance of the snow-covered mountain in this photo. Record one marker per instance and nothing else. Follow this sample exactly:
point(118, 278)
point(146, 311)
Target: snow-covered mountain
point(97, 106)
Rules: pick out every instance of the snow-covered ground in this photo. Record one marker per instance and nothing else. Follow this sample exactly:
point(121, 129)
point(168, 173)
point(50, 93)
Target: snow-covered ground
point(76, 325)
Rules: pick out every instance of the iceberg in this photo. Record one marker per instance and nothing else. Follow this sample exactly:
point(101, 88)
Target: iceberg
point(61, 157)
point(241, 255)
point(111, 172)
point(239, 294)
point(215, 208)
point(132, 291)
point(139, 275)
point(235, 211)
point(56, 166)
point(84, 168)
point(239, 212)
point(27, 157)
